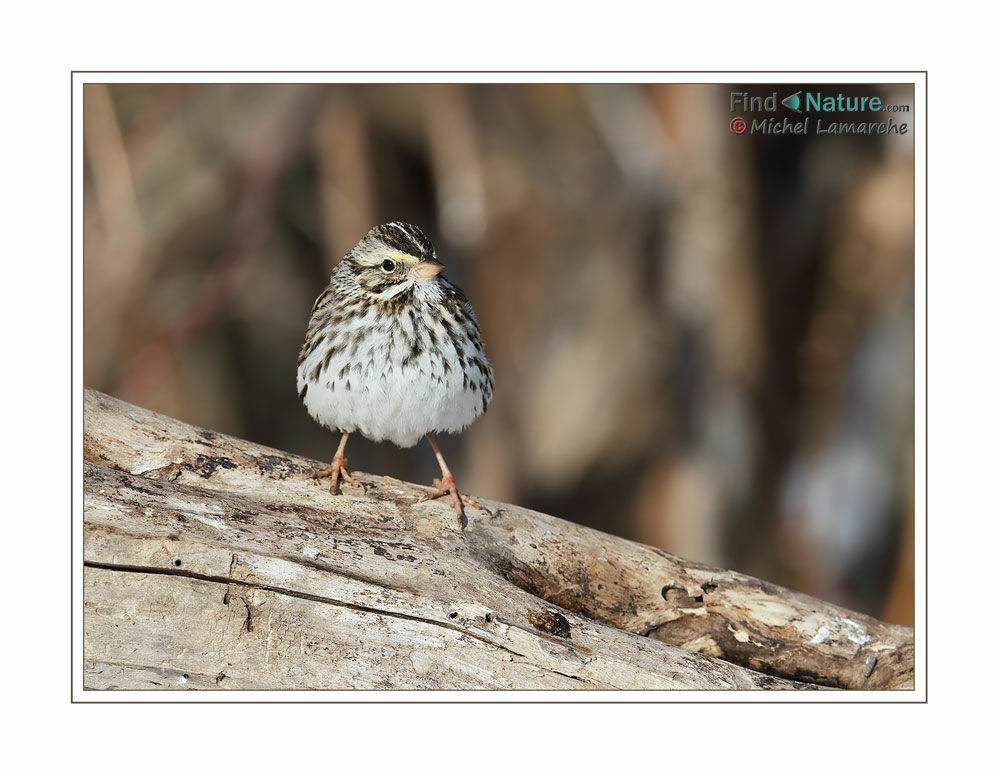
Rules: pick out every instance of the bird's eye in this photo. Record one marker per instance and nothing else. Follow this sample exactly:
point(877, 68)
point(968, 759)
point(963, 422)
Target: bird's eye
point(388, 265)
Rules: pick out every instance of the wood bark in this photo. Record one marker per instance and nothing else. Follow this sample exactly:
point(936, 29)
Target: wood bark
point(215, 563)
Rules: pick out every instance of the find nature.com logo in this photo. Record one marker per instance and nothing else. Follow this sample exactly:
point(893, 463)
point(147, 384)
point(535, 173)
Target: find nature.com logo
point(805, 103)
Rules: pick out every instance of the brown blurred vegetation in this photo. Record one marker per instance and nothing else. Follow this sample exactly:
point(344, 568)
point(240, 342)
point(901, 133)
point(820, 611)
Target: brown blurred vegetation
point(701, 341)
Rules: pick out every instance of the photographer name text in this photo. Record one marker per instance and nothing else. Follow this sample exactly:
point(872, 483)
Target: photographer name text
point(804, 126)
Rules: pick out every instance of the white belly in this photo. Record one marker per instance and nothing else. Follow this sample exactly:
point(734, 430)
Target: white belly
point(374, 392)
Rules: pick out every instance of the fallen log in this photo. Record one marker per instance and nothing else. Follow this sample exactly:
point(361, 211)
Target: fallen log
point(215, 563)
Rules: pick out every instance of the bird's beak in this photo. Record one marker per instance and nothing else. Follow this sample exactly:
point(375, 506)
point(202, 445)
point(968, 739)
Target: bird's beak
point(428, 267)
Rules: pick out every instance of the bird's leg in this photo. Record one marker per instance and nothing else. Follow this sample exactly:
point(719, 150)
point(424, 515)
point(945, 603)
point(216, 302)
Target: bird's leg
point(337, 469)
point(446, 486)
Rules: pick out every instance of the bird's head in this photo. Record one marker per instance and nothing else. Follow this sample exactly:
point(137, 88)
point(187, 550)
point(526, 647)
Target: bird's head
point(393, 257)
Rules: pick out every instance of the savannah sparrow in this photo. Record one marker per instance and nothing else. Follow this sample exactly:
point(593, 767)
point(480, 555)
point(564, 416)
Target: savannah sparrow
point(393, 351)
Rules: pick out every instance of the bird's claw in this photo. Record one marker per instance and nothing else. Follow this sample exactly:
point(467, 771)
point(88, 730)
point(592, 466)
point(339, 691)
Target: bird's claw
point(446, 486)
point(336, 470)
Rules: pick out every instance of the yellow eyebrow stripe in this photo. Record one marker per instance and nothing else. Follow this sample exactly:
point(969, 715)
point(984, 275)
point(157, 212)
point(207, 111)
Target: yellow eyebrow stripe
point(403, 257)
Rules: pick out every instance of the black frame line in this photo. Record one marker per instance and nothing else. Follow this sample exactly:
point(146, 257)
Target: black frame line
point(73, 451)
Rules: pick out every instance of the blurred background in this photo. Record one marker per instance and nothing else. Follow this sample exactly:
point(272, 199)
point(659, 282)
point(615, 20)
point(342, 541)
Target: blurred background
point(701, 341)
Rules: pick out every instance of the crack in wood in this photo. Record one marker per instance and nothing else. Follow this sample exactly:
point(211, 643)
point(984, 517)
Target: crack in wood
point(225, 580)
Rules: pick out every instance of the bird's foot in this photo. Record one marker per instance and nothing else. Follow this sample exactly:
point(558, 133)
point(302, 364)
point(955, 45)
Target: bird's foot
point(337, 470)
point(446, 486)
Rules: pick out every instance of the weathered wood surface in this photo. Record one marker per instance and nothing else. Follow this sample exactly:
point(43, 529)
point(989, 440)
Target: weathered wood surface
point(213, 562)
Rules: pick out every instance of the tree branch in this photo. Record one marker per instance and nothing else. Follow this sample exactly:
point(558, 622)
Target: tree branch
point(213, 562)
